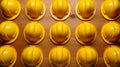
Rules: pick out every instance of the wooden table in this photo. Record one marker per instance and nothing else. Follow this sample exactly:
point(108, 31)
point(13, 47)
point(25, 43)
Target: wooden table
point(72, 21)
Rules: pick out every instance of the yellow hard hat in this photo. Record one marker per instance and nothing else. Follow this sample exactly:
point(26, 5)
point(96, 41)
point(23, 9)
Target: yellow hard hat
point(34, 32)
point(10, 9)
point(85, 9)
point(59, 57)
point(110, 9)
point(8, 32)
point(85, 33)
point(32, 56)
point(112, 56)
point(35, 9)
point(111, 32)
point(60, 33)
point(86, 56)
point(60, 9)
point(8, 56)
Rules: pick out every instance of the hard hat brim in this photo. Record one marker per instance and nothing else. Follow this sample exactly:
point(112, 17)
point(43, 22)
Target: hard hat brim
point(15, 58)
point(104, 58)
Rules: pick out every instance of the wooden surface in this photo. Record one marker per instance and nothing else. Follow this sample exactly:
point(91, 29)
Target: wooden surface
point(72, 21)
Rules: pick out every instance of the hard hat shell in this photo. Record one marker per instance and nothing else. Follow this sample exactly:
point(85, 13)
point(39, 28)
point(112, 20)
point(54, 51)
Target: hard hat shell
point(59, 56)
point(60, 32)
point(85, 33)
point(35, 9)
point(111, 56)
point(9, 32)
point(110, 32)
point(8, 56)
point(110, 9)
point(34, 32)
point(86, 56)
point(85, 9)
point(32, 56)
point(60, 9)
point(10, 9)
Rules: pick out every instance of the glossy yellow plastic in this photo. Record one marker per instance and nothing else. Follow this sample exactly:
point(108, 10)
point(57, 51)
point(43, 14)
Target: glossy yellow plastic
point(112, 56)
point(8, 56)
point(60, 9)
point(34, 32)
point(110, 9)
point(110, 32)
point(35, 9)
point(32, 56)
point(86, 56)
point(85, 9)
point(60, 33)
point(85, 33)
point(9, 32)
point(10, 9)
point(59, 56)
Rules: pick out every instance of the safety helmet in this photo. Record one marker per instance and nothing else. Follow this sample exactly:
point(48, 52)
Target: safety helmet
point(8, 56)
point(35, 9)
point(34, 32)
point(60, 33)
point(59, 56)
point(60, 9)
point(85, 33)
point(10, 9)
point(86, 56)
point(32, 56)
point(111, 32)
point(112, 56)
point(9, 32)
point(110, 9)
point(85, 9)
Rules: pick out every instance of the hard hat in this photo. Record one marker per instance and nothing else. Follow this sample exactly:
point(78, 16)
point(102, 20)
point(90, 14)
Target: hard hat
point(8, 56)
point(85, 9)
point(111, 32)
point(34, 32)
point(85, 33)
point(10, 9)
point(35, 9)
point(59, 57)
point(110, 9)
point(32, 56)
point(86, 56)
point(9, 32)
point(60, 9)
point(112, 56)
point(60, 33)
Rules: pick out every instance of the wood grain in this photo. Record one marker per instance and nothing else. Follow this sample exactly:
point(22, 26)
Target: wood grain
point(72, 21)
